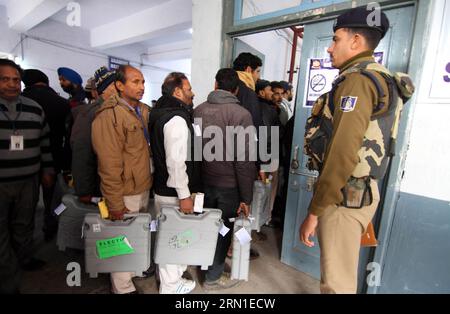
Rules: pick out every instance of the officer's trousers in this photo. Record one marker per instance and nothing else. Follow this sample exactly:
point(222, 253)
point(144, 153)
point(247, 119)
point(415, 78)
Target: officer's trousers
point(339, 233)
point(121, 282)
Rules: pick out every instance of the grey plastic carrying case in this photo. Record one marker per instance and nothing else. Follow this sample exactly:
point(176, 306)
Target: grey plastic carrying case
point(260, 207)
point(184, 239)
point(71, 222)
point(136, 228)
point(240, 263)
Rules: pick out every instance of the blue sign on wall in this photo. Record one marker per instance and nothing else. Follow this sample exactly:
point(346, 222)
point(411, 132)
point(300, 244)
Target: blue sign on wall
point(114, 63)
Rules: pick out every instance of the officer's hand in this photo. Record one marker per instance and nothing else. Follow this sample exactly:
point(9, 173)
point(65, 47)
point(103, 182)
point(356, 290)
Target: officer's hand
point(47, 180)
point(308, 229)
point(187, 205)
point(86, 199)
point(244, 208)
point(118, 215)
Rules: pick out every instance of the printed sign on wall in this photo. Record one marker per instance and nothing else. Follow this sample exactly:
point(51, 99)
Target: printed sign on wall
point(440, 81)
point(114, 63)
point(322, 75)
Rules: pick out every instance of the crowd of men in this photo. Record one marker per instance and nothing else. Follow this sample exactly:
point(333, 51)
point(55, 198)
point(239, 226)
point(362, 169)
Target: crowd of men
point(115, 146)
point(107, 143)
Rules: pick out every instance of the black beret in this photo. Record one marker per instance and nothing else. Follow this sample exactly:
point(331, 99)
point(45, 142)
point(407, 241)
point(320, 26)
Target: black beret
point(359, 18)
point(33, 76)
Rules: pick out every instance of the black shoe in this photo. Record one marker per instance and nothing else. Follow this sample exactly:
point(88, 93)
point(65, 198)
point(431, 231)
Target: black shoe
point(33, 264)
point(187, 275)
point(253, 254)
point(49, 235)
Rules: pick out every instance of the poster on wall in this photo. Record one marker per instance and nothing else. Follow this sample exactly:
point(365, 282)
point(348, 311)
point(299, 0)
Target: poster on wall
point(114, 63)
point(321, 76)
point(440, 80)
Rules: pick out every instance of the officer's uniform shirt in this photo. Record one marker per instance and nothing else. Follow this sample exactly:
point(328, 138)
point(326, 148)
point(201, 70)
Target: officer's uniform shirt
point(354, 101)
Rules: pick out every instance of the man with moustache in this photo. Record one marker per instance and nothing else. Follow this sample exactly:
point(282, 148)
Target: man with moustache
point(121, 141)
point(177, 177)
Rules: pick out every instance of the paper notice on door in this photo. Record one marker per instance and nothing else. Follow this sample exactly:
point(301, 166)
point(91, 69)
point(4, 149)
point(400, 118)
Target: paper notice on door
point(243, 236)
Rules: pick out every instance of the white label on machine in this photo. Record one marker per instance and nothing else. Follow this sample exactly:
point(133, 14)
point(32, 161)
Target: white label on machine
point(198, 204)
point(60, 209)
point(243, 236)
point(154, 226)
point(224, 230)
point(96, 228)
point(96, 200)
point(127, 242)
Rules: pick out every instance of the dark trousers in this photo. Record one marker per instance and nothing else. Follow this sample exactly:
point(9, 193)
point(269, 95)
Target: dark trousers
point(50, 219)
point(18, 202)
point(227, 200)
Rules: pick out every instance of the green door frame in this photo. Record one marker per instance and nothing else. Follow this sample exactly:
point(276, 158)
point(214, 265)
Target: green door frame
point(418, 48)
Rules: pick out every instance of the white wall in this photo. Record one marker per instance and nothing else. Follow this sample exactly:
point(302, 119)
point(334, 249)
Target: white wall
point(49, 56)
point(206, 46)
point(427, 171)
point(277, 51)
point(157, 77)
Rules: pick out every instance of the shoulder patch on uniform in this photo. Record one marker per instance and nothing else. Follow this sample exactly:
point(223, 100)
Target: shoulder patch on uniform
point(348, 103)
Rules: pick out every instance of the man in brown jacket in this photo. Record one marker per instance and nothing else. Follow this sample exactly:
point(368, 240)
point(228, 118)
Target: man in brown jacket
point(120, 139)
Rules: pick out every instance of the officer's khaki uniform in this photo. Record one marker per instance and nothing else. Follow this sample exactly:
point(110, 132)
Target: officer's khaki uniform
point(339, 235)
point(340, 228)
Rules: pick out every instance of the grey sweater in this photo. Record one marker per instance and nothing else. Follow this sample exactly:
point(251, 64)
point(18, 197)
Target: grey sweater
point(234, 166)
point(25, 118)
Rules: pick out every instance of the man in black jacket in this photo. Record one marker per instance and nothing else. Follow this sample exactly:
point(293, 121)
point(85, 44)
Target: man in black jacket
point(270, 116)
point(248, 68)
point(228, 182)
point(84, 162)
point(176, 176)
point(56, 110)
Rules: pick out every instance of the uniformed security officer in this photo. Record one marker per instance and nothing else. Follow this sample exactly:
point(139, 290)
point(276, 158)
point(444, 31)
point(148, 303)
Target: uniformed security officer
point(346, 194)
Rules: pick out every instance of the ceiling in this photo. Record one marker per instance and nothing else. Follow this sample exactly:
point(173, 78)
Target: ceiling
point(99, 12)
point(153, 25)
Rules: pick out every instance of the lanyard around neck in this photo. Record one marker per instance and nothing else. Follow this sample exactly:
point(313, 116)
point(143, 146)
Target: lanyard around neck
point(13, 122)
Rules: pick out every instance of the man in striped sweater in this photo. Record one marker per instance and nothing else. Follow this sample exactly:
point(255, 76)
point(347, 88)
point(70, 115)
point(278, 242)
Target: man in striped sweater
point(24, 156)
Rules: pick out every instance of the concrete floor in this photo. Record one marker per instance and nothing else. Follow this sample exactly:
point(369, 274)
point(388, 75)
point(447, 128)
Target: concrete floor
point(267, 274)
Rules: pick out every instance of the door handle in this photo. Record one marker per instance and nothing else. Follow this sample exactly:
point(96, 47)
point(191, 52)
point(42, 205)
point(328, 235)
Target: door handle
point(311, 178)
point(313, 175)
